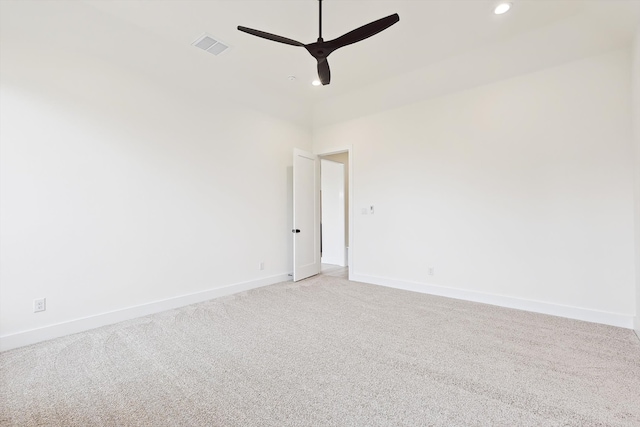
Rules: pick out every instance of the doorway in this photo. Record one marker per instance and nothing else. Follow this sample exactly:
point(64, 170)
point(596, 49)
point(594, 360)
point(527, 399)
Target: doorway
point(335, 209)
point(307, 243)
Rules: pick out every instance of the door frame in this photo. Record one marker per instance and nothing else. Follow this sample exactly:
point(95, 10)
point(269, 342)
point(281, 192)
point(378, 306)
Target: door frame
point(349, 150)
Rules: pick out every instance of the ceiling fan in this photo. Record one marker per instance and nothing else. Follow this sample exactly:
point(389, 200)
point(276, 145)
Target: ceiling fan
point(321, 49)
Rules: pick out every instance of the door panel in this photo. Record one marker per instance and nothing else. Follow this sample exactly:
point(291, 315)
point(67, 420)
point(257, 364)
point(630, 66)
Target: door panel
point(306, 215)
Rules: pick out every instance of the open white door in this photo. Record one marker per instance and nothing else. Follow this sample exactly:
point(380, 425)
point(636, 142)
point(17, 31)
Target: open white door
point(306, 215)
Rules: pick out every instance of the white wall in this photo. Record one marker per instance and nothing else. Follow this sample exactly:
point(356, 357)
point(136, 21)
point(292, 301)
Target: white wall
point(521, 189)
point(344, 159)
point(117, 191)
point(636, 124)
point(333, 212)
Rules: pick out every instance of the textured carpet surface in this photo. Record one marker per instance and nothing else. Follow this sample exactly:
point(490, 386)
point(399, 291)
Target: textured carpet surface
point(329, 352)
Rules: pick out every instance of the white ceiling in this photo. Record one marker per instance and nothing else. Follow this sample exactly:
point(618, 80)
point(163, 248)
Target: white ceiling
point(438, 46)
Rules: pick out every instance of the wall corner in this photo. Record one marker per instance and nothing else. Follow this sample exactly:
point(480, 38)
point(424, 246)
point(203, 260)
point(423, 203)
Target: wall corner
point(636, 138)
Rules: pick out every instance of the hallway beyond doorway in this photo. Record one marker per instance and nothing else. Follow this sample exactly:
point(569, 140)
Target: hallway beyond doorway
point(335, 271)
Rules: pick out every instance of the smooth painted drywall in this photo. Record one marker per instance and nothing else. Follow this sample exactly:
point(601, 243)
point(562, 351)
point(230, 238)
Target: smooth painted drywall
point(118, 191)
point(344, 159)
point(559, 42)
point(636, 124)
point(521, 188)
point(332, 212)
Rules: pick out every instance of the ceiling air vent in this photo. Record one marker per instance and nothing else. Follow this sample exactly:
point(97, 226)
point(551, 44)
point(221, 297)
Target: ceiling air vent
point(211, 45)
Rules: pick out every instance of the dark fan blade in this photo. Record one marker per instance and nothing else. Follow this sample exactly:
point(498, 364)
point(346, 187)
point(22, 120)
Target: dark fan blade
point(323, 71)
point(364, 32)
point(269, 36)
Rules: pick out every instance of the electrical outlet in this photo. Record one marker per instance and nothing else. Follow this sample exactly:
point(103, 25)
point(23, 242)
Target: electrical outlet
point(431, 271)
point(261, 265)
point(39, 304)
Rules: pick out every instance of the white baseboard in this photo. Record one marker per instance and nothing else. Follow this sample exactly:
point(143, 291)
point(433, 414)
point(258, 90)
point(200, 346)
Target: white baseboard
point(588, 315)
point(45, 333)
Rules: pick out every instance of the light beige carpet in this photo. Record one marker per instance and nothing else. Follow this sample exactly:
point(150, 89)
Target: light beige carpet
point(328, 352)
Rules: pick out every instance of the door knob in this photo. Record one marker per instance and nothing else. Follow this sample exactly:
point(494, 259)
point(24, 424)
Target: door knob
point(295, 230)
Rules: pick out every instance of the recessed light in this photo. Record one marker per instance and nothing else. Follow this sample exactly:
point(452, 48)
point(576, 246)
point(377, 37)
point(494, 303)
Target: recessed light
point(316, 83)
point(502, 8)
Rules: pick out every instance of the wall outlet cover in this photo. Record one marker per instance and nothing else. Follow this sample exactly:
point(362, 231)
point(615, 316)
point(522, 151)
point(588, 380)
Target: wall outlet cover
point(39, 304)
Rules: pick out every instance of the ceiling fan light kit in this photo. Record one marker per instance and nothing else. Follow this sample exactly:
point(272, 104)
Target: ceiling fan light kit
point(502, 8)
point(322, 49)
